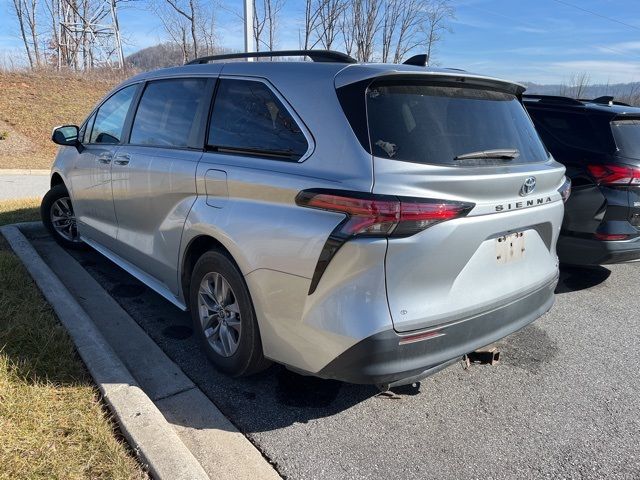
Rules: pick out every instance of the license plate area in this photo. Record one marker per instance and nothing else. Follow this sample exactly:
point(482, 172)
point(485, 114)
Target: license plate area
point(510, 248)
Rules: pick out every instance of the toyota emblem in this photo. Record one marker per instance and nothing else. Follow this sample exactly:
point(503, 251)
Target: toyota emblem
point(528, 186)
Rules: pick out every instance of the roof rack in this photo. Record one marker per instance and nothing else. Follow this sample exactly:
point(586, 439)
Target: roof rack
point(553, 99)
point(605, 100)
point(315, 55)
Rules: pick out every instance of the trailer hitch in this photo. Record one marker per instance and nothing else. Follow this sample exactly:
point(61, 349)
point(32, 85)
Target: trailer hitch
point(484, 356)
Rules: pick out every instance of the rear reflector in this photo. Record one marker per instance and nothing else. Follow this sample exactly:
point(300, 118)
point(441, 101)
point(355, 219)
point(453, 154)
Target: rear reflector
point(615, 174)
point(610, 237)
point(420, 336)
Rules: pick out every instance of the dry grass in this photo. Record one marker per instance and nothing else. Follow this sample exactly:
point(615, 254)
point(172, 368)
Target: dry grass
point(22, 210)
point(52, 423)
point(31, 104)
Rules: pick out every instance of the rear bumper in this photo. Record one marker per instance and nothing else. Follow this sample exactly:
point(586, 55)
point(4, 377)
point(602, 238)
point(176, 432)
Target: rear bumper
point(381, 359)
point(585, 251)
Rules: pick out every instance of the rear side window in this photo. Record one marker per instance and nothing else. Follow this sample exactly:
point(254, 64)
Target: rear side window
point(435, 124)
point(109, 124)
point(248, 118)
point(572, 129)
point(627, 136)
point(169, 113)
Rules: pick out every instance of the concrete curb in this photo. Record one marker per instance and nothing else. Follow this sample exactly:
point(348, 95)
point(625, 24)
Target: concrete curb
point(223, 452)
point(148, 432)
point(24, 171)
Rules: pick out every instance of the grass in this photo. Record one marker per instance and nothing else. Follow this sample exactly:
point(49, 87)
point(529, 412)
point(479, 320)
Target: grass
point(52, 423)
point(31, 104)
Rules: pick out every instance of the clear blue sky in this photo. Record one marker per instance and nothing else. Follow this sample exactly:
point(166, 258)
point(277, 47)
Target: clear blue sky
point(544, 41)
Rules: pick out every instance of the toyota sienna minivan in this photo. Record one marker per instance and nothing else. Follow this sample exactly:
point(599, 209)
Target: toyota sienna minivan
point(370, 223)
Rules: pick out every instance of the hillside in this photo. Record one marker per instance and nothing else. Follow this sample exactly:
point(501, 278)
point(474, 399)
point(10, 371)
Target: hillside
point(31, 104)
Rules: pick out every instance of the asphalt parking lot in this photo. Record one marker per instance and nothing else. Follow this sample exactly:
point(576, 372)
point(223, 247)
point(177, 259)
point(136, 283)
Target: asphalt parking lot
point(564, 401)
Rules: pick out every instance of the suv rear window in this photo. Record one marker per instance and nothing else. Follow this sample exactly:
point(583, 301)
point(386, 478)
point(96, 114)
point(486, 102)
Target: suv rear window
point(435, 124)
point(627, 136)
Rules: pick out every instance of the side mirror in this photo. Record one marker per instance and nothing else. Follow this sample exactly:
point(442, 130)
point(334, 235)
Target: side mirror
point(65, 135)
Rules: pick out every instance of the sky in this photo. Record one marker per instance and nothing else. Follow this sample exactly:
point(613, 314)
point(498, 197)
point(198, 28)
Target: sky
point(541, 41)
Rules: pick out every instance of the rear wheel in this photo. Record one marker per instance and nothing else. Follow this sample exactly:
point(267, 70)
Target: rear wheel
point(223, 316)
point(56, 211)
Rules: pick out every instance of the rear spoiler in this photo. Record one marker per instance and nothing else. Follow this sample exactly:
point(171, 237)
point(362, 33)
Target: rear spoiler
point(361, 74)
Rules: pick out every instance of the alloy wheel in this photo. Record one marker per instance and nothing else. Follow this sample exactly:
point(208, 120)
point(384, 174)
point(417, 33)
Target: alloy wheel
point(219, 314)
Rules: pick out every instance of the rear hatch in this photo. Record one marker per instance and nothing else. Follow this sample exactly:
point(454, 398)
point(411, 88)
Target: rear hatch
point(626, 134)
point(458, 139)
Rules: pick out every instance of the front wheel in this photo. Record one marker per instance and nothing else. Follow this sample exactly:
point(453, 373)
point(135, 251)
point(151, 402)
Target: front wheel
point(223, 316)
point(59, 218)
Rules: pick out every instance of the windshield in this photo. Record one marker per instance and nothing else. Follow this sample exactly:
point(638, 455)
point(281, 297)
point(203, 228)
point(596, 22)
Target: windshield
point(450, 125)
point(627, 136)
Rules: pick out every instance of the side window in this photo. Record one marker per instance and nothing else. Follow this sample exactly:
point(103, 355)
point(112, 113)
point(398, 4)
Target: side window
point(168, 112)
point(248, 118)
point(85, 130)
point(571, 129)
point(109, 123)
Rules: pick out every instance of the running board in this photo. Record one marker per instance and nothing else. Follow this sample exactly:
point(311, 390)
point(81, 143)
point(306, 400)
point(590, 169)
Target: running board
point(158, 287)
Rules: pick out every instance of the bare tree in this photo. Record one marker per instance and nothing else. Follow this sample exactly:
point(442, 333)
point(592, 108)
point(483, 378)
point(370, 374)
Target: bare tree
point(347, 30)
point(579, 83)
point(366, 25)
point(25, 11)
point(188, 9)
point(577, 86)
point(410, 17)
point(266, 14)
point(438, 12)
point(311, 13)
point(330, 13)
point(259, 21)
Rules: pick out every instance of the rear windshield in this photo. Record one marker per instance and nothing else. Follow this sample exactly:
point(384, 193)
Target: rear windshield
point(627, 136)
point(436, 124)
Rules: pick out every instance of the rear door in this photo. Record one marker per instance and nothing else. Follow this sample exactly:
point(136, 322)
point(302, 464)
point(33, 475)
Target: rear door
point(154, 174)
point(476, 145)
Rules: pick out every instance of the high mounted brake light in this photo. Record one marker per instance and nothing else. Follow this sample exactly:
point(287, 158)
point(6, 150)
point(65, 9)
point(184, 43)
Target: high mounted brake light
point(615, 174)
point(371, 215)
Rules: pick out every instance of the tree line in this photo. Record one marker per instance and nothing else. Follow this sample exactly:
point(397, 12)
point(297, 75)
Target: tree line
point(86, 34)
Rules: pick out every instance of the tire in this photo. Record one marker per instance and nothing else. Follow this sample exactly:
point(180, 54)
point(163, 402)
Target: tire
point(57, 203)
point(230, 337)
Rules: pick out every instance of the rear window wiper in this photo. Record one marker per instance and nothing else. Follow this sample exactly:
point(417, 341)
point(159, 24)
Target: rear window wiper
point(501, 153)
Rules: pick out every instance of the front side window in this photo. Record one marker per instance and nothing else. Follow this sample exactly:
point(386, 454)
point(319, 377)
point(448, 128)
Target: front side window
point(169, 112)
point(248, 118)
point(627, 137)
point(450, 125)
point(109, 123)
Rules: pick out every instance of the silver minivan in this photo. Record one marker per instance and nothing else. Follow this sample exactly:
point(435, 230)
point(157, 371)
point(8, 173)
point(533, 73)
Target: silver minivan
point(370, 223)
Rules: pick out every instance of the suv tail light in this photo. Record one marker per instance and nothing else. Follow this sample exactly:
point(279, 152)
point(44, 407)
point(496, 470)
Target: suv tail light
point(565, 189)
point(615, 174)
point(371, 215)
point(610, 237)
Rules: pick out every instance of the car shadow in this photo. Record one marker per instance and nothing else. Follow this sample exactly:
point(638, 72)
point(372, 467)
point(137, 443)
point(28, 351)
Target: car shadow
point(575, 278)
point(270, 400)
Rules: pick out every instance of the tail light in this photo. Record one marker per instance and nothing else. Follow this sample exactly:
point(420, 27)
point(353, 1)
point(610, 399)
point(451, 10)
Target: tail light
point(610, 237)
point(615, 174)
point(565, 189)
point(371, 215)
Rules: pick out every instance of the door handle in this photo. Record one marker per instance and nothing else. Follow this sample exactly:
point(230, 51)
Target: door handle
point(106, 159)
point(122, 159)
